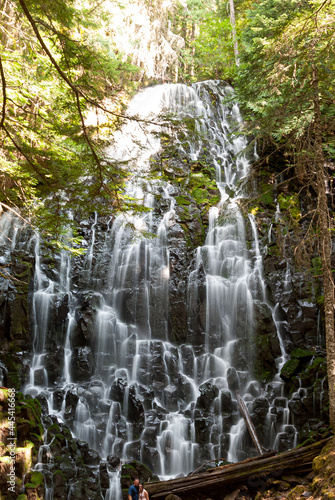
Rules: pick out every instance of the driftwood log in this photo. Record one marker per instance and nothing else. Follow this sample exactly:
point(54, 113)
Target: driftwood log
point(252, 472)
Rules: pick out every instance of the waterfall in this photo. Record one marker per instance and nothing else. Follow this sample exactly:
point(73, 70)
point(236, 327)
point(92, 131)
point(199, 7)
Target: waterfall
point(140, 393)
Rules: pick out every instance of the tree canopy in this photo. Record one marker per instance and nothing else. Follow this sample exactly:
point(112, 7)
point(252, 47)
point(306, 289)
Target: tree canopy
point(58, 67)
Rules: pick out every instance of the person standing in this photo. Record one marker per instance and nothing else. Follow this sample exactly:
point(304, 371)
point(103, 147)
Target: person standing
point(143, 494)
point(133, 491)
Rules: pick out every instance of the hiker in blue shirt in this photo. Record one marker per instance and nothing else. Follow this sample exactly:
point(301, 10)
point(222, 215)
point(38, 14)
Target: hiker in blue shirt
point(133, 490)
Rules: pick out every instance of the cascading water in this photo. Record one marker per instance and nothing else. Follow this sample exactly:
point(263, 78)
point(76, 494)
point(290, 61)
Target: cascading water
point(104, 359)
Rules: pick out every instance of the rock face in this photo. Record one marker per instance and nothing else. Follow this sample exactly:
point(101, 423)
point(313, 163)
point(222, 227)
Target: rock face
point(140, 345)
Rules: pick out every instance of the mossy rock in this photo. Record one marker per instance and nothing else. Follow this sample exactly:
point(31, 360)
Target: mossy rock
point(53, 430)
point(264, 366)
point(296, 493)
point(126, 481)
point(290, 368)
point(314, 373)
point(142, 471)
point(23, 496)
point(302, 354)
point(183, 200)
point(36, 478)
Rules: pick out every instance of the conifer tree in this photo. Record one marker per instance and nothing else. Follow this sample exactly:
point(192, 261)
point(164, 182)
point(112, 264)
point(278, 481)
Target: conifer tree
point(285, 87)
point(58, 64)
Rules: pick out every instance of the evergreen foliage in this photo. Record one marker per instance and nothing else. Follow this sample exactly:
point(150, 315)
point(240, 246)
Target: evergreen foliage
point(57, 67)
point(284, 43)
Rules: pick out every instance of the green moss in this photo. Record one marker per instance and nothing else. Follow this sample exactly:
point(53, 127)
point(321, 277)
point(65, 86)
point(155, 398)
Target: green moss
point(53, 430)
point(291, 204)
point(267, 194)
point(36, 478)
point(274, 251)
point(23, 496)
point(301, 354)
point(183, 200)
point(59, 473)
point(290, 368)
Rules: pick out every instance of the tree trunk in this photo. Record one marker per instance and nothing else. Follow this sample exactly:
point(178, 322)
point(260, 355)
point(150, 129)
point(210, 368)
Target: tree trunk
point(325, 249)
point(253, 472)
point(233, 25)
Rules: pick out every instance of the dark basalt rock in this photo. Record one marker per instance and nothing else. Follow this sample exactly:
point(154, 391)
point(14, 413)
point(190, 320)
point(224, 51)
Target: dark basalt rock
point(226, 401)
point(117, 390)
point(135, 410)
point(113, 461)
point(233, 379)
point(134, 450)
point(259, 409)
point(208, 392)
point(54, 364)
point(82, 363)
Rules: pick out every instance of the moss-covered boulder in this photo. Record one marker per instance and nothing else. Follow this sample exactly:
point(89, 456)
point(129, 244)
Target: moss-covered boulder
point(133, 470)
point(299, 359)
point(290, 369)
point(28, 431)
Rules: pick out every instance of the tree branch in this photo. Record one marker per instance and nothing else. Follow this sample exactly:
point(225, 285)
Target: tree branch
point(4, 97)
point(63, 75)
point(42, 176)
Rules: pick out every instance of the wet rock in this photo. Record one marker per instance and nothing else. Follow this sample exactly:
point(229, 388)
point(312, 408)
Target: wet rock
point(135, 410)
point(60, 485)
point(54, 363)
point(147, 396)
point(172, 364)
point(86, 318)
point(40, 377)
point(290, 368)
point(113, 461)
point(258, 411)
point(202, 429)
point(299, 359)
point(239, 354)
point(185, 389)
point(71, 401)
point(84, 489)
point(170, 397)
point(226, 401)
point(104, 477)
point(58, 398)
point(233, 379)
point(187, 356)
point(90, 457)
point(149, 436)
point(117, 390)
point(208, 392)
point(42, 398)
point(82, 363)
point(68, 468)
point(133, 450)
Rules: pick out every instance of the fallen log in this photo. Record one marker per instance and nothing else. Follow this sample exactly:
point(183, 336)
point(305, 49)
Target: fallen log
point(248, 423)
point(250, 472)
